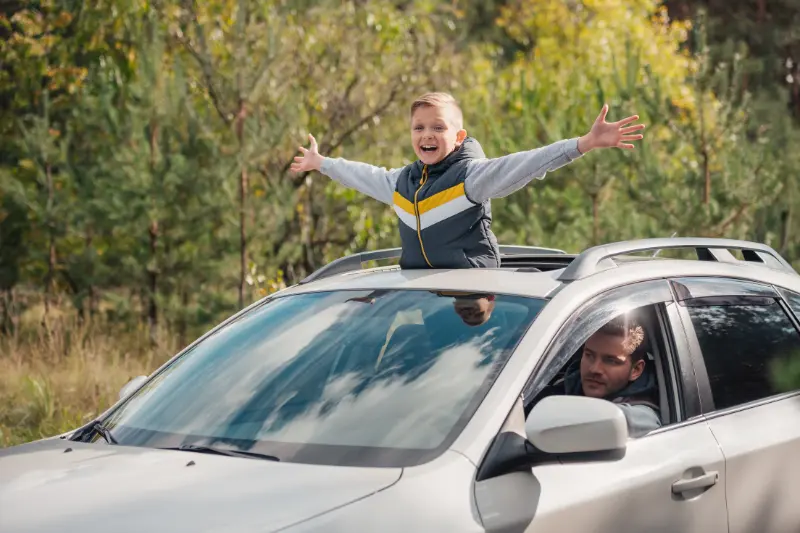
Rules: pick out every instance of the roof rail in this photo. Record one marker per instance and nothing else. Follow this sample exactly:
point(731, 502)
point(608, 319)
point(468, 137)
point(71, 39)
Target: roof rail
point(353, 262)
point(350, 263)
point(597, 258)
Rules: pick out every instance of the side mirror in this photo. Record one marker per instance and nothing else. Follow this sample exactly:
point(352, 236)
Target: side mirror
point(131, 386)
point(575, 424)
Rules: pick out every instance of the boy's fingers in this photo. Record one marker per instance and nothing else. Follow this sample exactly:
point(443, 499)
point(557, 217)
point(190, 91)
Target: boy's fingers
point(313, 142)
point(625, 146)
point(603, 113)
point(299, 159)
point(631, 129)
point(628, 120)
point(302, 149)
point(632, 137)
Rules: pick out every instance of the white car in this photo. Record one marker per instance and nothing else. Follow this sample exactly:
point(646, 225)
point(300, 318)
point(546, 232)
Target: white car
point(415, 401)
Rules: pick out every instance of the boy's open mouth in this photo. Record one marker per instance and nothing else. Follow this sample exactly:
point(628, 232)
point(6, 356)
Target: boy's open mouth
point(428, 148)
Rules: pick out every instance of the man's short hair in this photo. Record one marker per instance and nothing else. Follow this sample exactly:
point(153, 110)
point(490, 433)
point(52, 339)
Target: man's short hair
point(631, 329)
point(440, 100)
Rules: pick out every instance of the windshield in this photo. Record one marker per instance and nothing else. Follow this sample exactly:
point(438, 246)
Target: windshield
point(370, 378)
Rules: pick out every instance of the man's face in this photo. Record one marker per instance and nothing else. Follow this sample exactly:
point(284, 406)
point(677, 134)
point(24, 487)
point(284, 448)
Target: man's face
point(606, 365)
point(474, 311)
point(433, 134)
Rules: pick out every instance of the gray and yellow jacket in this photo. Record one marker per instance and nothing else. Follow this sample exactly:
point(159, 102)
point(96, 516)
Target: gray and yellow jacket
point(444, 209)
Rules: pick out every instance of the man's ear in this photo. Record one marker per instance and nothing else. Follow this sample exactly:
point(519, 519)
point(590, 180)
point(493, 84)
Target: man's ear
point(637, 369)
point(460, 136)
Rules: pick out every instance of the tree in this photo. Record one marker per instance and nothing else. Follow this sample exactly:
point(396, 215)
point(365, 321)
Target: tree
point(577, 59)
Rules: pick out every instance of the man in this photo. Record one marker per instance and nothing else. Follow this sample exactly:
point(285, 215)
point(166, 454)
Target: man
point(613, 367)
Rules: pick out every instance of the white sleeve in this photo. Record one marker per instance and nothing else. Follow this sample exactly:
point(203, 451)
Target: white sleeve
point(375, 182)
point(501, 176)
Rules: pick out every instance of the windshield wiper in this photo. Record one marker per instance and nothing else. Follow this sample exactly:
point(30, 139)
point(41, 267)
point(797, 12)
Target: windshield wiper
point(104, 432)
point(222, 451)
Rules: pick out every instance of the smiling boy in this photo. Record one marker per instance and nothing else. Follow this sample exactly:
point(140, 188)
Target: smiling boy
point(443, 198)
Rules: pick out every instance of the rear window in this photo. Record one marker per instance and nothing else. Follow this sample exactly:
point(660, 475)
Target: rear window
point(380, 378)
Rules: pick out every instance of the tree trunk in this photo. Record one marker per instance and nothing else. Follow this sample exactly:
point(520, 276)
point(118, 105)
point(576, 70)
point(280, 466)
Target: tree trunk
point(51, 254)
point(795, 90)
point(595, 218)
point(240, 53)
point(152, 267)
point(704, 154)
point(92, 296)
point(240, 118)
point(707, 176)
point(786, 222)
point(307, 227)
point(92, 300)
point(152, 285)
point(183, 326)
point(7, 323)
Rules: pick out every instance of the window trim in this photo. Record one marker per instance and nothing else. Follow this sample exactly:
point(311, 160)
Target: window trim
point(708, 407)
point(705, 398)
point(756, 288)
point(682, 364)
point(794, 315)
point(751, 405)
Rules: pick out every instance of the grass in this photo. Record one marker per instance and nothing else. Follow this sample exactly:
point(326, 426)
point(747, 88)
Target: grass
point(56, 378)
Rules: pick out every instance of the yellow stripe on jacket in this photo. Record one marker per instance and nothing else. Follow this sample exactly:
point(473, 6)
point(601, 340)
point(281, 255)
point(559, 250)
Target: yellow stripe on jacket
point(434, 209)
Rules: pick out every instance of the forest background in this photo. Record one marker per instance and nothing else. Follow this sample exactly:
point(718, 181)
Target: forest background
point(145, 146)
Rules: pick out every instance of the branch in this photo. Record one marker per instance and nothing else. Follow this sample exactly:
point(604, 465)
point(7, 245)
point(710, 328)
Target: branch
point(323, 242)
point(329, 147)
point(732, 218)
point(201, 56)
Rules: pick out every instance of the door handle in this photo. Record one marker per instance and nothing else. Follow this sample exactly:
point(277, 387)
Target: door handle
point(694, 483)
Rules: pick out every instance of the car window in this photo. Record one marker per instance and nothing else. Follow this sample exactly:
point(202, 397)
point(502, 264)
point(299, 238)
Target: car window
point(647, 397)
point(744, 342)
point(592, 316)
point(659, 384)
point(381, 378)
point(702, 287)
point(793, 299)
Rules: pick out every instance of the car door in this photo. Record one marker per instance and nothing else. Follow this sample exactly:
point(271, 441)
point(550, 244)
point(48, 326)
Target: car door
point(669, 480)
point(746, 341)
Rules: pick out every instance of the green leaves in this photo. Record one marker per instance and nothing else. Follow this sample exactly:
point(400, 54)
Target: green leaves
point(150, 112)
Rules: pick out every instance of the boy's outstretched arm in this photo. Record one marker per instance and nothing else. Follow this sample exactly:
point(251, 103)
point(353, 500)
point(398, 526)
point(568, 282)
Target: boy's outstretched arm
point(375, 182)
point(499, 177)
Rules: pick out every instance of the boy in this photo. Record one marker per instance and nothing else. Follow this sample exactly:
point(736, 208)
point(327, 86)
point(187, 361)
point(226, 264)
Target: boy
point(443, 198)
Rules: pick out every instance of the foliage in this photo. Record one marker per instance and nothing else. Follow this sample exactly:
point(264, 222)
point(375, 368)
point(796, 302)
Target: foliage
point(145, 146)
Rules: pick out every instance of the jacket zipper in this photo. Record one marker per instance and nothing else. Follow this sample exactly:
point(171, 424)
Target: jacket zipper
point(416, 211)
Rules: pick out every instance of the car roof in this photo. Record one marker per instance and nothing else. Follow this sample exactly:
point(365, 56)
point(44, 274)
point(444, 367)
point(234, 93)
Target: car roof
point(498, 281)
point(541, 272)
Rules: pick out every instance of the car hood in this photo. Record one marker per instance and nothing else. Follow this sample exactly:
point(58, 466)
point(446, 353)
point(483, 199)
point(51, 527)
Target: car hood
point(101, 488)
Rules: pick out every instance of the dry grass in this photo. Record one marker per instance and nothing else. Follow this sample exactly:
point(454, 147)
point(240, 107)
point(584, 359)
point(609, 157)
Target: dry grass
point(53, 379)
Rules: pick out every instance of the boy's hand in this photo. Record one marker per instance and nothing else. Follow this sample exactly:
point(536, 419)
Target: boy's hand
point(310, 160)
point(610, 134)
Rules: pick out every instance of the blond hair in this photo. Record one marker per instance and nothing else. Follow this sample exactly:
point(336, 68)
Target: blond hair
point(442, 101)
